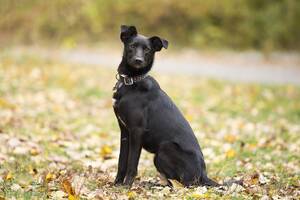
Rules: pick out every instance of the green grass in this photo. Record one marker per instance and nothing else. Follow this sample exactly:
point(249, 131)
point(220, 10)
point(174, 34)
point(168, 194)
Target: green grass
point(57, 119)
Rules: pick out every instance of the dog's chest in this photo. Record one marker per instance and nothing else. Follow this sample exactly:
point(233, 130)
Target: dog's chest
point(130, 94)
point(123, 98)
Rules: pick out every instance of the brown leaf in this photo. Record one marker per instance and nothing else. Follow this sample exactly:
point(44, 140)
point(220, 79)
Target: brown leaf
point(68, 187)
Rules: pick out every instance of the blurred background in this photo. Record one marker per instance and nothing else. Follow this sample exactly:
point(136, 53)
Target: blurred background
point(230, 24)
point(246, 37)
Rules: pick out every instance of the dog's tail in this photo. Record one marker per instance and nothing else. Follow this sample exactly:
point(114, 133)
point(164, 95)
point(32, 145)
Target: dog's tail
point(211, 183)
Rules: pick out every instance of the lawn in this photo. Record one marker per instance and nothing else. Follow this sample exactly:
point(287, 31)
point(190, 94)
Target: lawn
point(59, 137)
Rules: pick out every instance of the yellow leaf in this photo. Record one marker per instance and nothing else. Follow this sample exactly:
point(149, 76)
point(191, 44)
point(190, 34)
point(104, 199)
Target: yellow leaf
point(131, 195)
point(200, 196)
point(32, 171)
point(5, 104)
point(230, 153)
point(69, 189)
point(72, 197)
point(106, 151)
point(253, 179)
point(9, 176)
point(175, 183)
point(230, 138)
point(252, 146)
point(196, 195)
point(50, 177)
point(34, 152)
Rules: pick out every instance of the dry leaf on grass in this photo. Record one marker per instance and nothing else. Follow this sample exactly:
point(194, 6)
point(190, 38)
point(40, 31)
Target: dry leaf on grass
point(176, 184)
point(106, 152)
point(230, 153)
point(49, 177)
point(8, 176)
point(131, 195)
point(230, 138)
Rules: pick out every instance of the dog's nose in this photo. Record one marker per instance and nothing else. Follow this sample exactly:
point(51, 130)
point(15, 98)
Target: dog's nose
point(138, 61)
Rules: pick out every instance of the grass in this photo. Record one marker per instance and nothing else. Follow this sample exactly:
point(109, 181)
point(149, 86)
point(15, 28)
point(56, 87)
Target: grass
point(57, 124)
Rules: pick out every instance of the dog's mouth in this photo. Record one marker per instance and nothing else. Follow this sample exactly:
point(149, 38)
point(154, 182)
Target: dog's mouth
point(138, 64)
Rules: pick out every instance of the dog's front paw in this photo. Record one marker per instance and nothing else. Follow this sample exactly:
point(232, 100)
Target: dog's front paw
point(129, 181)
point(118, 181)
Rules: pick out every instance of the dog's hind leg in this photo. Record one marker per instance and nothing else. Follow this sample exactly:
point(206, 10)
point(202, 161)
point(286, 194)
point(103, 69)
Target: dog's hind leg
point(174, 163)
point(170, 161)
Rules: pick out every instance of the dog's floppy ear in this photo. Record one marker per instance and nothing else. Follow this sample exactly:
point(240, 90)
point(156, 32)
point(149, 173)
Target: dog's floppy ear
point(127, 32)
point(158, 43)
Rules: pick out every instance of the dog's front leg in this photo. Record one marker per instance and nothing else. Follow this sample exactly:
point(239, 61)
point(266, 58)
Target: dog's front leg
point(123, 155)
point(135, 147)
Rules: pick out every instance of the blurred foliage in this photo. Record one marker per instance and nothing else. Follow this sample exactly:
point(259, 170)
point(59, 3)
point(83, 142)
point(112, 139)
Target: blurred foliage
point(236, 24)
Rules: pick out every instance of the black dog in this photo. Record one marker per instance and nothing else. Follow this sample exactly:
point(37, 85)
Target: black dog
point(148, 118)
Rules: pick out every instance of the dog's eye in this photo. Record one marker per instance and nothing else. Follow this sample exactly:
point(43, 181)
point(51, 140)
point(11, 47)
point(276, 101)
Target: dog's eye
point(146, 49)
point(132, 46)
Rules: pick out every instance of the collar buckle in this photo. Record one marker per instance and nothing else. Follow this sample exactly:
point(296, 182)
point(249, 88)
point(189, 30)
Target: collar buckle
point(128, 80)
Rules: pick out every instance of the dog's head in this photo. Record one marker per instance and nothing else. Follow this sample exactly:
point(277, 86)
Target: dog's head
point(139, 50)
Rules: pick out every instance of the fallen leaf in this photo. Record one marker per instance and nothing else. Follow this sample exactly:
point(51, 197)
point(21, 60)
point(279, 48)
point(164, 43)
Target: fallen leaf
point(201, 190)
point(15, 187)
point(252, 179)
point(97, 194)
point(32, 171)
point(175, 183)
point(235, 188)
point(106, 151)
point(58, 195)
point(68, 187)
point(131, 195)
point(8, 176)
point(230, 153)
point(230, 138)
point(34, 152)
point(73, 197)
point(49, 177)
point(78, 184)
point(252, 147)
point(200, 196)
point(5, 104)
point(265, 197)
point(262, 179)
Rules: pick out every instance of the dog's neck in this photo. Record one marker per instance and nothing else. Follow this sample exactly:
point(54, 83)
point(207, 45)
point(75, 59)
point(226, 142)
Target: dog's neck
point(130, 71)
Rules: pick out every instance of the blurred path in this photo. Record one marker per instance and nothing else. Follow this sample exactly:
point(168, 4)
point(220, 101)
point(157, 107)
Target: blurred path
point(247, 67)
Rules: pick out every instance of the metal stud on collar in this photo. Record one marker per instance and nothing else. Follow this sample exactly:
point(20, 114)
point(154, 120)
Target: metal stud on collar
point(130, 80)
